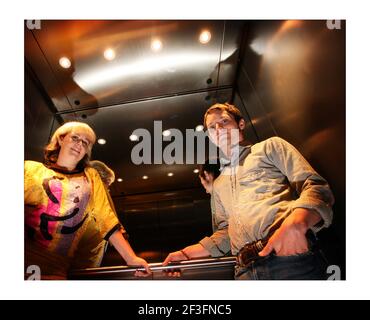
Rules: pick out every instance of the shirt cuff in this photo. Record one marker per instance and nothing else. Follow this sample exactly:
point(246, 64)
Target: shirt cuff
point(324, 210)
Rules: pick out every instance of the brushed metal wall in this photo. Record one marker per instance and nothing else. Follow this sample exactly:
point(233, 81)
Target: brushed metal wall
point(38, 117)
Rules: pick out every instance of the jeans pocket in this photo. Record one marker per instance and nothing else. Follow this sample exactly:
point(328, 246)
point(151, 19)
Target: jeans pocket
point(302, 266)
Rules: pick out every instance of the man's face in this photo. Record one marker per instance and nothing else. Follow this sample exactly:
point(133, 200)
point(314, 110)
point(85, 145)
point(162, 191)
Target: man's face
point(223, 130)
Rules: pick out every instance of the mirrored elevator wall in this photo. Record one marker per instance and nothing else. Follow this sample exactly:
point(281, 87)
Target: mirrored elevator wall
point(291, 83)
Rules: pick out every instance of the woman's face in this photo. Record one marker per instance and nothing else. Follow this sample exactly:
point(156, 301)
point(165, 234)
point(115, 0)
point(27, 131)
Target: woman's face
point(74, 146)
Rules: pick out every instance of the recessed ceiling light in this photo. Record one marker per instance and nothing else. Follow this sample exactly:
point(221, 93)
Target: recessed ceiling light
point(64, 62)
point(166, 133)
point(196, 170)
point(119, 180)
point(109, 54)
point(102, 141)
point(199, 128)
point(170, 174)
point(205, 37)
point(145, 177)
point(134, 137)
point(156, 45)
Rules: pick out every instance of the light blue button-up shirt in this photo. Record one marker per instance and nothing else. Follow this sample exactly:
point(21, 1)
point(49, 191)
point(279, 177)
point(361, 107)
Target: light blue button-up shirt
point(260, 185)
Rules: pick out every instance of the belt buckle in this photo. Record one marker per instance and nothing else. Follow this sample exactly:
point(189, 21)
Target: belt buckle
point(249, 253)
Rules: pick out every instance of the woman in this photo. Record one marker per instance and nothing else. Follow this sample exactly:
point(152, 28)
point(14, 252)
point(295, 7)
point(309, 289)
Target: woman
point(62, 196)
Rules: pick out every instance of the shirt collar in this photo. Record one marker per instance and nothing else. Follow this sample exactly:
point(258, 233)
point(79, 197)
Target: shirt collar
point(64, 170)
point(237, 152)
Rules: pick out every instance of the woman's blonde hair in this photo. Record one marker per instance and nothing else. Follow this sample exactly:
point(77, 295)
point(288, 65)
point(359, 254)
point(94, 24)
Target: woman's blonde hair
point(51, 151)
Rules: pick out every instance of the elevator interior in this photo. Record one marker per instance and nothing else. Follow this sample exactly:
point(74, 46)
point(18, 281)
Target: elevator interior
point(287, 77)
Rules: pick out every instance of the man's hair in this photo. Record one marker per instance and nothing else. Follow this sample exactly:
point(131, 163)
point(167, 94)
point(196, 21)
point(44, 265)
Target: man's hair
point(51, 151)
point(211, 168)
point(229, 108)
point(106, 174)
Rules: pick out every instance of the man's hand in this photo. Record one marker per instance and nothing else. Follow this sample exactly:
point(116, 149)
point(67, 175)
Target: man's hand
point(290, 238)
point(190, 252)
point(174, 256)
point(139, 262)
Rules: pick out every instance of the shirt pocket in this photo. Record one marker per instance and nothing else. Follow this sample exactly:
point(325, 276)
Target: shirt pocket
point(251, 176)
point(254, 185)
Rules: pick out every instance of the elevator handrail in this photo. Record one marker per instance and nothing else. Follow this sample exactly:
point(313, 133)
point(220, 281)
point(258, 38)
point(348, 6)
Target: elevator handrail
point(158, 266)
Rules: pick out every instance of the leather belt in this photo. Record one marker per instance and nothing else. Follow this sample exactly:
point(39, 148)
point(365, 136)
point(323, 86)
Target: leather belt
point(249, 252)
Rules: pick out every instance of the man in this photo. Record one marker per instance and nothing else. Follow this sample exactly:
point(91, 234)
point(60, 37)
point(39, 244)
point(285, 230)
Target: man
point(273, 201)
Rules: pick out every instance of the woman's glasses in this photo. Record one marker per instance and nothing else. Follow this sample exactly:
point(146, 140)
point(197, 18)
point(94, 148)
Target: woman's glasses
point(77, 139)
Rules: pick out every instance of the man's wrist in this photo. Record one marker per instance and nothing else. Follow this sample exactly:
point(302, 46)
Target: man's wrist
point(185, 254)
point(304, 219)
point(302, 226)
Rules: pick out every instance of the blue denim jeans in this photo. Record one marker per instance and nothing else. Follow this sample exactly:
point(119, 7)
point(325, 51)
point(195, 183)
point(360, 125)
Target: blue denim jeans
point(307, 266)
